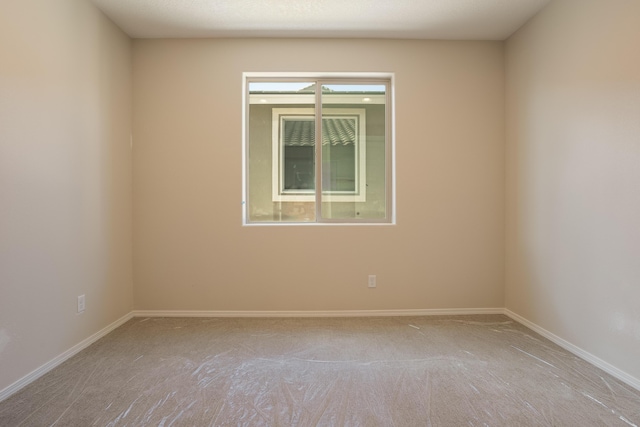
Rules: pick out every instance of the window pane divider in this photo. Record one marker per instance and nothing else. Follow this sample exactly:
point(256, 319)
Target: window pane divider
point(318, 153)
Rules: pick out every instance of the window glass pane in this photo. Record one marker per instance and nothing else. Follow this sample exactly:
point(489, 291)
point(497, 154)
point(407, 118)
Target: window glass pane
point(339, 162)
point(354, 150)
point(299, 173)
point(280, 152)
point(285, 183)
point(339, 165)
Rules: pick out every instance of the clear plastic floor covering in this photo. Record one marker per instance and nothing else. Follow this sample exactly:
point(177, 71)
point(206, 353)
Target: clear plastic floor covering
point(401, 371)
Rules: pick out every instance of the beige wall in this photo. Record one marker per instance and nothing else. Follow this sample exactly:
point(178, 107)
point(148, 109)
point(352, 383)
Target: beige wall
point(573, 167)
point(572, 194)
point(573, 181)
point(191, 251)
point(65, 179)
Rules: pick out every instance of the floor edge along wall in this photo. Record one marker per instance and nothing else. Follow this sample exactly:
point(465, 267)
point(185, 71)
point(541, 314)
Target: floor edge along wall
point(40, 371)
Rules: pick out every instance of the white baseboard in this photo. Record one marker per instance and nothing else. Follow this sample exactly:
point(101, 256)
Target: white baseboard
point(311, 313)
point(596, 361)
point(37, 373)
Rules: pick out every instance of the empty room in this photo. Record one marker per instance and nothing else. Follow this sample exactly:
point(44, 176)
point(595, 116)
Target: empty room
point(471, 258)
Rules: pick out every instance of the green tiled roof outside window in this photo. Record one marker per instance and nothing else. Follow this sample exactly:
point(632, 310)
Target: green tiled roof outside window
point(335, 131)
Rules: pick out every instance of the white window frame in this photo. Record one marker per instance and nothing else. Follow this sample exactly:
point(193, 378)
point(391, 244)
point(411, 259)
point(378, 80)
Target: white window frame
point(279, 194)
point(358, 77)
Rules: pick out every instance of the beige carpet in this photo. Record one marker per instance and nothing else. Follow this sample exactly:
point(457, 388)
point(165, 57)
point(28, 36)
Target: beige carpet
point(401, 371)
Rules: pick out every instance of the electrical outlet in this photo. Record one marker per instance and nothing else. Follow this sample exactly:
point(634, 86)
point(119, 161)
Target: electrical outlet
point(372, 280)
point(81, 303)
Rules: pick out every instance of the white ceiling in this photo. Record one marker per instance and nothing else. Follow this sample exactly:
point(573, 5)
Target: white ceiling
point(413, 19)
